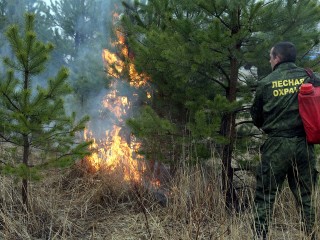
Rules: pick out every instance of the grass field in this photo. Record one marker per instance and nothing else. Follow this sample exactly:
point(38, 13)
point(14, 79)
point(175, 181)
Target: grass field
point(75, 204)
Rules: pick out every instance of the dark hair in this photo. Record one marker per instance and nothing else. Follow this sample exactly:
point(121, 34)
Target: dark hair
point(286, 51)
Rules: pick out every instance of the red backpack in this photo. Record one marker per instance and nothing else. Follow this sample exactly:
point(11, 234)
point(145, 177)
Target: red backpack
point(309, 108)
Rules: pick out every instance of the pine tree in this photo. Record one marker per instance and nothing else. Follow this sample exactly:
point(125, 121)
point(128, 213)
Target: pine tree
point(12, 12)
point(193, 52)
point(33, 117)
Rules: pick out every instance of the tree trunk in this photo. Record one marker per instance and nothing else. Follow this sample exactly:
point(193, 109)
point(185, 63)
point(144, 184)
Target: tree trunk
point(228, 123)
point(228, 131)
point(24, 190)
point(26, 145)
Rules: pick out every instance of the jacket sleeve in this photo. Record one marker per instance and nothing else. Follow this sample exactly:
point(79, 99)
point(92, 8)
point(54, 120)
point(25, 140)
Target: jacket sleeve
point(256, 110)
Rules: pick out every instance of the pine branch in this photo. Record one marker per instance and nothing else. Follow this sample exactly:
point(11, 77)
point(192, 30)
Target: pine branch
point(268, 3)
point(214, 79)
point(7, 140)
point(223, 71)
point(307, 52)
point(10, 101)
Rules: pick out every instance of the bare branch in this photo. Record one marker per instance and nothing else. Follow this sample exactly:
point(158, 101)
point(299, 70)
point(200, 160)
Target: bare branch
point(243, 122)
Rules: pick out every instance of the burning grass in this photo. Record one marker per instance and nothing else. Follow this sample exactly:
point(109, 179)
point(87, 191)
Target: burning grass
point(78, 204)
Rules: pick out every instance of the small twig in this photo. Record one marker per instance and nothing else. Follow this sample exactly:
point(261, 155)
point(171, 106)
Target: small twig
point(227, 231)
point(198, 224)
point(3, 162)
point(143, 208)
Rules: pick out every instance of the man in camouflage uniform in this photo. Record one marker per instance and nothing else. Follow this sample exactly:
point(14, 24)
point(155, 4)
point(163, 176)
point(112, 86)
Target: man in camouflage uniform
point(286, 152)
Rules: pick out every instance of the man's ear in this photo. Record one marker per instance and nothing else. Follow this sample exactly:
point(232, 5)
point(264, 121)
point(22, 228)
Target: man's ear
point(277, 59)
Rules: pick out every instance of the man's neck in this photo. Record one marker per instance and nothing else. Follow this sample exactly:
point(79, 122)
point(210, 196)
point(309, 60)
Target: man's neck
point(279, 63)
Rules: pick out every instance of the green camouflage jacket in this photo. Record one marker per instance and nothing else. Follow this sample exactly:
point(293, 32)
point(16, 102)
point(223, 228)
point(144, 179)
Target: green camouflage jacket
point(275, 107)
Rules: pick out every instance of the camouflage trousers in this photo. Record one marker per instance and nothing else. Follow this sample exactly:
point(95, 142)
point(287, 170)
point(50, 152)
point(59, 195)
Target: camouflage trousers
point(282, 158)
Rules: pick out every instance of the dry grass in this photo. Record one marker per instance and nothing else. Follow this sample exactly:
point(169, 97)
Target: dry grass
point(73, 204)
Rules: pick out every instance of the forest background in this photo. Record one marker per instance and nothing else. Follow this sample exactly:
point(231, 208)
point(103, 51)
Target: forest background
point(200, 62)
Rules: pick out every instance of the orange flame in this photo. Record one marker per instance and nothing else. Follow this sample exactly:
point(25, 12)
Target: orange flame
point(117, 151)
point(111, 59)
point(116, 66)
point(118, 105)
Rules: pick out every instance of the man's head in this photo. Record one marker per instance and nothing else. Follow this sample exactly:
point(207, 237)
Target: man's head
point(282, 52)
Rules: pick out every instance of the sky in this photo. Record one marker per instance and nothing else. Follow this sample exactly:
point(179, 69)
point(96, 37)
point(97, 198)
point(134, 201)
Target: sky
point(48, 1)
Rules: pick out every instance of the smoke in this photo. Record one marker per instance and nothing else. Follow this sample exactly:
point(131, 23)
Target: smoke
point(88, 75)
point(81, 52)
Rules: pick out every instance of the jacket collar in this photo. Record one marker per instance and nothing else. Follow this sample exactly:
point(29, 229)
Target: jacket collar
point(284, 65)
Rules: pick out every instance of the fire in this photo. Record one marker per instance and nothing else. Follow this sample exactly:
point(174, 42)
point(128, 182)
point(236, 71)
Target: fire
point(111, 59)
point(116, 66)
point(118, 105)
point(118, 150)
point(137, 79)
point(114, 153)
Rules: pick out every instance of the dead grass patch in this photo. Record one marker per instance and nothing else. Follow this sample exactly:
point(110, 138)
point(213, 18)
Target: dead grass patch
point(74, 204)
